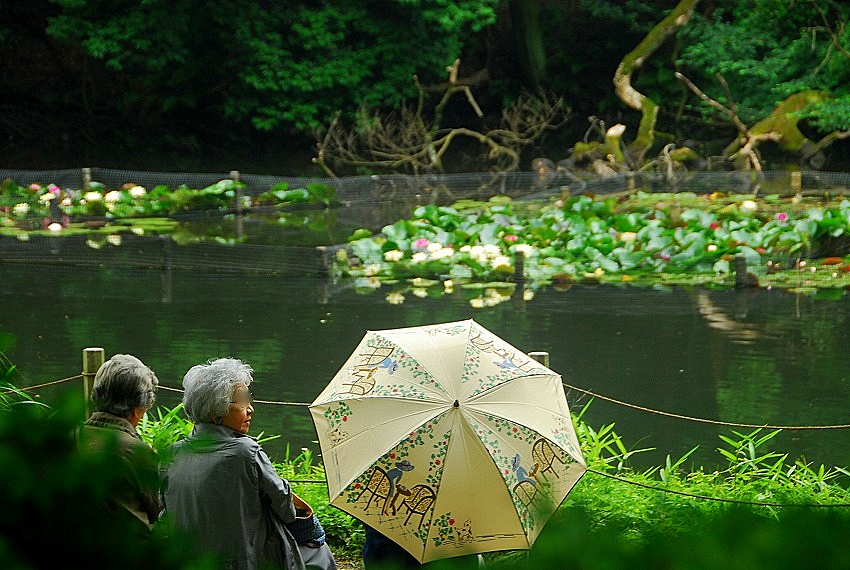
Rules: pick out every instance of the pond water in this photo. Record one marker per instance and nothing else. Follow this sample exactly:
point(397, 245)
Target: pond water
point(753, 357)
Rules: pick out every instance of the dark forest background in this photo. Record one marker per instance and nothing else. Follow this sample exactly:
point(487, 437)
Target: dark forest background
point(253, 85)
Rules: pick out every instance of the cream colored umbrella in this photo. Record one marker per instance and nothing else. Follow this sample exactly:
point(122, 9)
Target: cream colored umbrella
point(447, 439)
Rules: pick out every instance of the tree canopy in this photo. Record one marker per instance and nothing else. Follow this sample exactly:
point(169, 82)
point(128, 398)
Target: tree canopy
point(228, 73)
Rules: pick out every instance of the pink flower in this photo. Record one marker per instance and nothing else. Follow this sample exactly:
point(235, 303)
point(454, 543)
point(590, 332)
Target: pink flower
point(421, 243)
point(782, 217)
point(54, 189)
point(510, 238)
point(714, 225)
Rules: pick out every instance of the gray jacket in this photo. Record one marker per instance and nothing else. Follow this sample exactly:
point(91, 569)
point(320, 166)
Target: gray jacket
point(220, 485)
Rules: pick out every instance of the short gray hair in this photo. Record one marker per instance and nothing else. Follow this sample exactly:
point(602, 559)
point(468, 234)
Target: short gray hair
point(209, 387)
point(122, 384)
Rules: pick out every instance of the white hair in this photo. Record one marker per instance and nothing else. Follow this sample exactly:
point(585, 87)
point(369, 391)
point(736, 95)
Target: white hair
point(122, 384)
point(209, 387)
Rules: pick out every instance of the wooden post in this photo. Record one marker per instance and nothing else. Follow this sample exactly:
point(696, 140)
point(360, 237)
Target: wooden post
point(322, 255)
point(740, 271)
point(234, 175)
point(92, 361)
point(519, 267)
point(540, 356)
point(86, 179)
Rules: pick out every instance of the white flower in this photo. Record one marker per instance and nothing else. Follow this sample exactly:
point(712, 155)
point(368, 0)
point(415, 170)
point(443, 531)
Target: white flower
point(434, 246)
point(492, 250)
point(501, 262)
point(371, 269)
point(21, 209)
point(448, 285)
point(419, 257)
point(114, 239)
point(93, 196)
point(419, 292)
point(749, 206)
point(477, 302)
point(137, 192)
point(628, 237)
point(395, 298)
point(47, 197)
point(55, 227)
point(528, 294)
point(66, 202)
point(524, 248)
point(23, 237)
point(112, 197)
point(442, 253)
point(711, 247)
point(137, 231)
point(466, 248)
point(93, 244)
point(393, 255)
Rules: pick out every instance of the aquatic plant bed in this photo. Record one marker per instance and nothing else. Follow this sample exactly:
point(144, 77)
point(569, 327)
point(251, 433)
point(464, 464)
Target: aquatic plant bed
point(637, 238)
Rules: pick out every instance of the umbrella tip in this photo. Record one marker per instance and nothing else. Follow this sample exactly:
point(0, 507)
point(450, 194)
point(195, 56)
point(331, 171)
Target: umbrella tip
point(456, 404)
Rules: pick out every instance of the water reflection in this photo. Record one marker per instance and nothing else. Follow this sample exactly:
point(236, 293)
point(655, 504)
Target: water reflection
point(761, 357)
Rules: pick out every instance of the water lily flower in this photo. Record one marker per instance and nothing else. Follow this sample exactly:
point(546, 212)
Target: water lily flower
point(34, 187)
point(21, 209)
point(55, 227)
point(419, 292)
point(448, 286)
point(419, 257)
point(421, 243)
point(749, 206)
point(433, 246)
point(66, 202)
point(714, 225)
point(112, 197)
point(510, 238)
point(501, 262)
point(54, 189)
point(93, 196)
point(524, 248)
point(527, 294)
point(628, 237)
point(371, 269)
point(393, 255)
point(443, 253)
point(93, 244)
point(137, 192)
point(477, 302)
point(782, 217)
point(711, 247)
point(137, 231)
point(395, 298)
point(47, 197)
point(113, 239)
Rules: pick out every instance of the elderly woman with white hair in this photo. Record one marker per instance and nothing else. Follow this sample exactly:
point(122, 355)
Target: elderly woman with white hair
point(123, 390)
point(220, 485)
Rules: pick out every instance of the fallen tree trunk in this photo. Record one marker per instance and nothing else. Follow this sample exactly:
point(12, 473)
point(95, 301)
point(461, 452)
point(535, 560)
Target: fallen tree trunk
point(633, 61)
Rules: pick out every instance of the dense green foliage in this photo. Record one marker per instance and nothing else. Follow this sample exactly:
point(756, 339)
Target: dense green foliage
point(216, 76)
point(766, 50)
point(295, 64)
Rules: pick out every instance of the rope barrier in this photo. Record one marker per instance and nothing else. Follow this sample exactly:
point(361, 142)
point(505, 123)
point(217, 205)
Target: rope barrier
point(702, 420)
point(568, 386)
point(46, 384)
point(707, 498)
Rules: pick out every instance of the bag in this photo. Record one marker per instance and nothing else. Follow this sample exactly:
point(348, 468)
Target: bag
point(306, 528)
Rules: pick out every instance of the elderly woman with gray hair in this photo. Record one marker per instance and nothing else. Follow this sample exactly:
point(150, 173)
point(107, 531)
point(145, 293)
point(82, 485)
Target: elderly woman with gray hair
point(220, 485)
point(124, 389)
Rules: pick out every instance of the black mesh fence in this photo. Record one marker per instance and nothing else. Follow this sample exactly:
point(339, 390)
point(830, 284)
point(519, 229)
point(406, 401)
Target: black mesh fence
point(360, 202)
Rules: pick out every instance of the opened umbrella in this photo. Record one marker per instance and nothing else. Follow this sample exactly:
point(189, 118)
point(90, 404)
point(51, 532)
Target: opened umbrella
point(447, 439)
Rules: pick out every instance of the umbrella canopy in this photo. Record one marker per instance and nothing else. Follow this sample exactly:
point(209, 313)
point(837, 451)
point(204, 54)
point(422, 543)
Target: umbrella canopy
point(447, 439)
